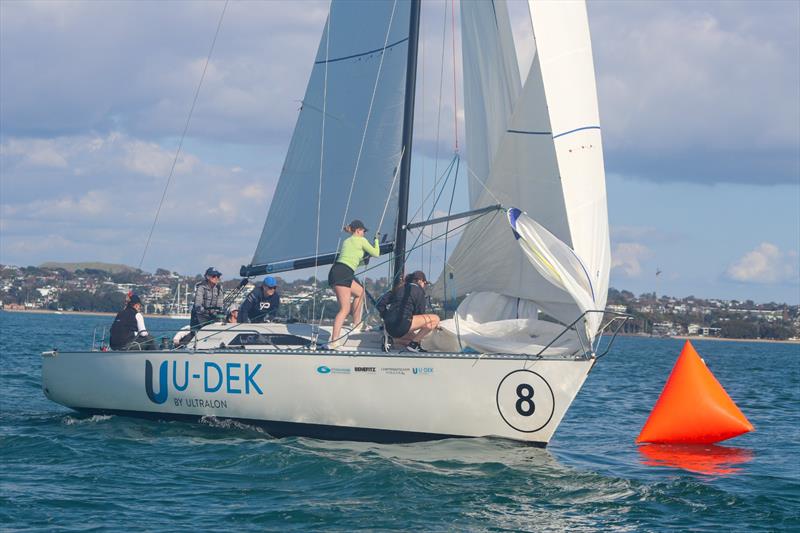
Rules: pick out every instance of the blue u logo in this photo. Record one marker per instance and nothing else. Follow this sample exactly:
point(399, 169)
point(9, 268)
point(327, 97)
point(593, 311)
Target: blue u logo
point(161, 397)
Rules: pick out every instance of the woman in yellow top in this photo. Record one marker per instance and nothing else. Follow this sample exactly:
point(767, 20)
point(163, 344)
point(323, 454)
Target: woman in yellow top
point(342, 276)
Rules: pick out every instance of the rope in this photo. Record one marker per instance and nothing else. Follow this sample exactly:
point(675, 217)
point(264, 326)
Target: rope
point(183, 136)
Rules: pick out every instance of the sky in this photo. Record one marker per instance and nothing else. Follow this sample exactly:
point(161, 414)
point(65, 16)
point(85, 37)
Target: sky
point(699, 104)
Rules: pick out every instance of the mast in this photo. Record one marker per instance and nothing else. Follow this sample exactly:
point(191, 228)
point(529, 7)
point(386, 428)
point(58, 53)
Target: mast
point(408, 132)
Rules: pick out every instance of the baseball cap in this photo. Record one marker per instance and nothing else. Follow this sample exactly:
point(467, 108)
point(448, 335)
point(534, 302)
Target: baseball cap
point(135, 299)
point(211, 271)
point(357, 224)
point(269, 281)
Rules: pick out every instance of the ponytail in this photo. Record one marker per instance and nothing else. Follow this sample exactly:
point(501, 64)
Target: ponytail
point(347, 229)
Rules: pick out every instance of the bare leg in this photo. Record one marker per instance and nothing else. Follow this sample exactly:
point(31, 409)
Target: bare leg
point(358, 291)
point(343, 296)
point(421, 325)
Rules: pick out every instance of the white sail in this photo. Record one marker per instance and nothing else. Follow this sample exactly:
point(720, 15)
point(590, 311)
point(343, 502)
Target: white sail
point(491, 82)
point(358, 78)
point(549, 164)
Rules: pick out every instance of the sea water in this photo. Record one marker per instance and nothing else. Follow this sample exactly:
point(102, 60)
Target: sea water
point(62, 471)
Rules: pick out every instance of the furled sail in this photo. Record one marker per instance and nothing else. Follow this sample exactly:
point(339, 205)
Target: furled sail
point(358, 79)
point(549, 164)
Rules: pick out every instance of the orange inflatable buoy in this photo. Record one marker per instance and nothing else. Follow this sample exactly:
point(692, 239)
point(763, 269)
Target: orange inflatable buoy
point(693, 407)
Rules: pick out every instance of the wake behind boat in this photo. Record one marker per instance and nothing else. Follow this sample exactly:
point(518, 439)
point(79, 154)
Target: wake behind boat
point(531, 267)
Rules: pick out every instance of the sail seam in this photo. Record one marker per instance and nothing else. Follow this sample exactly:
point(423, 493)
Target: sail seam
point(362, 54)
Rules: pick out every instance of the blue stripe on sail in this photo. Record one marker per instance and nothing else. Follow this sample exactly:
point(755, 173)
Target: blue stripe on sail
point(576, 129)
point(361, 54)
point(531, 132)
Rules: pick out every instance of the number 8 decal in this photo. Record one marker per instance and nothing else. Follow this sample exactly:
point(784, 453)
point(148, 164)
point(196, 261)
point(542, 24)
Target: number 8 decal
point(525, 401)
point(525, 405)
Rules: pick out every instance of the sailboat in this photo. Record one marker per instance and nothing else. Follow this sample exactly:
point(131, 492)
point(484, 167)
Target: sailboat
point(179, 308)
point(531, 267)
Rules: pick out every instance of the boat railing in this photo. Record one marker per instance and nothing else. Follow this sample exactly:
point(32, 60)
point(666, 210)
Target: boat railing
point(611, 326)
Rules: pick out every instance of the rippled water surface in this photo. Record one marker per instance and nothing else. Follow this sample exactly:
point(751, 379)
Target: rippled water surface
point(63, 471)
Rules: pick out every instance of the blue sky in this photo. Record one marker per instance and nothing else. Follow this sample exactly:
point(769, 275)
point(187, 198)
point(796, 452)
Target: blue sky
point(699, 103)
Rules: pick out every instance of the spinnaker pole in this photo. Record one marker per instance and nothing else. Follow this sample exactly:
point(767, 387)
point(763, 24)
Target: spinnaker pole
point(408, 133)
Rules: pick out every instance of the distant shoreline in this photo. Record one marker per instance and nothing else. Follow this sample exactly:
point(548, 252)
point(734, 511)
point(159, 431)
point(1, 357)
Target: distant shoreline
point(679, 337)
point(699, 338)
point(80, 313)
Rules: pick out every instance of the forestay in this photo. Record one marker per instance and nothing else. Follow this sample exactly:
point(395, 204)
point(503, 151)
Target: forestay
point(358, 78)
point(548, 163)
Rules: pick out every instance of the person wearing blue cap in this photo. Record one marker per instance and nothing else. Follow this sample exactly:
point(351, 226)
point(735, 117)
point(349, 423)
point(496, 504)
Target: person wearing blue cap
point(262, 304)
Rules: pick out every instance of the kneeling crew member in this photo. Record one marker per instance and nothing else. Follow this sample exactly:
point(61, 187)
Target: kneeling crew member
point(404, 313)
point(262, 304)
point(128, 331)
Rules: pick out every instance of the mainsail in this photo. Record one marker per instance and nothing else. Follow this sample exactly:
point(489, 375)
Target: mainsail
point(549, 164)
point(358, 79)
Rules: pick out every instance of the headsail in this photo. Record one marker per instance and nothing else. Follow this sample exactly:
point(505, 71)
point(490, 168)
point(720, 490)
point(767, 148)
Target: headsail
point(364, 61)
point(549, 163)
point(491, 82)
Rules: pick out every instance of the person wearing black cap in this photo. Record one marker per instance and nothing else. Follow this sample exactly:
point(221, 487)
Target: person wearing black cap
point(208, 299)
point(342, 276)
point(403, 312)
point(262, 304)
point(128, 331)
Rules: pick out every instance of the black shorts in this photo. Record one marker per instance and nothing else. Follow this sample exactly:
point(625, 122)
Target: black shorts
point(398, 329)
point(341, 275)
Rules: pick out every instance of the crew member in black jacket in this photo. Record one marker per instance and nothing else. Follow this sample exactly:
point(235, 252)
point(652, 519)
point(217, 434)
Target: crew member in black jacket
point(403, 312)
point(262, 304)
point(128, 331)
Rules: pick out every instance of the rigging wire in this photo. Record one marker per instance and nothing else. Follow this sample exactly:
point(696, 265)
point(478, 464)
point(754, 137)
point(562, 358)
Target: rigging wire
point(447, 226)
point(321, 161)
point(391, 191)
point(483, 184)
point(366, 125)
point(183, 135)
point(438, 120)
point(455, 94)
point(369, 116)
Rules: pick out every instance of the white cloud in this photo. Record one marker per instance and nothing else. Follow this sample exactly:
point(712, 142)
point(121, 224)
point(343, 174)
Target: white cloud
point(765, 264)
point(150, 159)
point(627, 258)
point(34, 152)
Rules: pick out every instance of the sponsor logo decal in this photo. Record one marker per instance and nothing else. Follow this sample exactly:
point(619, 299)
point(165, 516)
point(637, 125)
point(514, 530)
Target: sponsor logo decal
point(425, 371)
point(174, 377)
point(365, 369)
point(323, 369)
point(398, 371)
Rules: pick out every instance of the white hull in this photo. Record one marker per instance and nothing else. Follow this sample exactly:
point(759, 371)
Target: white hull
point(359, 396)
